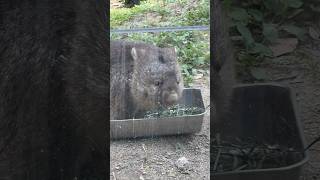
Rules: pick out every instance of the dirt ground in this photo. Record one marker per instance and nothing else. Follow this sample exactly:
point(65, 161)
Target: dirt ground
point(155, 158)
point(301, 71)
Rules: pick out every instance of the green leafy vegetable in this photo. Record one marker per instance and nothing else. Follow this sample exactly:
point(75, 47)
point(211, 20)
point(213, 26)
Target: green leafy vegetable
point(173, 111)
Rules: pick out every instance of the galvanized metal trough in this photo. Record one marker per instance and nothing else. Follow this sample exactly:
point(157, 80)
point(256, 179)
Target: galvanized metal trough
point(132, 128)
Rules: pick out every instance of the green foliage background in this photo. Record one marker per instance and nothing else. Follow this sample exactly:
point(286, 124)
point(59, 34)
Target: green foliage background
point(260, 23)
point(192, 46)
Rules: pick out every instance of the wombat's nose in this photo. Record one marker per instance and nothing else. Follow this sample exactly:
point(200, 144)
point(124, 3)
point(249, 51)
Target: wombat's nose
point(172, 98)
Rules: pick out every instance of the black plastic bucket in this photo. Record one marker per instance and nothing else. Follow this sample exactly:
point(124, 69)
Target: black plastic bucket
point(266, 112)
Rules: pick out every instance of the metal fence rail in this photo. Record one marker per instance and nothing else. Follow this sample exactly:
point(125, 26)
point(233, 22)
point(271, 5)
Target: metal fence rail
point(160, 29)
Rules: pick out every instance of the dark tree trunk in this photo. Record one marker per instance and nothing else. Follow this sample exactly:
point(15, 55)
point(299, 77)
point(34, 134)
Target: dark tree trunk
point(53, 89)
point(223, 78)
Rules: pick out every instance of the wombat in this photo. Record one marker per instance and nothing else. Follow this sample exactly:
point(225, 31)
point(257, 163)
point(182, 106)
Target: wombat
point(143, 77)
point(223, 78)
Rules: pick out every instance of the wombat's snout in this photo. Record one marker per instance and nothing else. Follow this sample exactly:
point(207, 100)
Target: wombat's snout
point(171, 90)
point(170, 98)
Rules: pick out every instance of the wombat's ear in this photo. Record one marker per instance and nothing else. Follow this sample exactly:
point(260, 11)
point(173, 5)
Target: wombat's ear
point(136, 53)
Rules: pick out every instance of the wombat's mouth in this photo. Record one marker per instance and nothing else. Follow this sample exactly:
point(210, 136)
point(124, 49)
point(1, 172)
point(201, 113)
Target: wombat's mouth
point(170, 98)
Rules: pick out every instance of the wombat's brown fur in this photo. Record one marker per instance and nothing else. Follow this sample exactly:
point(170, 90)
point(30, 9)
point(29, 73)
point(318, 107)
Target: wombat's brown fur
point(223, 78)
point(143, 77)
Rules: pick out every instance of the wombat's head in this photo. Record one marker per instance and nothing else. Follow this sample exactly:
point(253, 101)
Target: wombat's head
point(156, 78)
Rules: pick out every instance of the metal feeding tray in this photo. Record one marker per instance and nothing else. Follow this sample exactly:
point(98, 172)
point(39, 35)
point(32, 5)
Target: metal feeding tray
point(187, 124)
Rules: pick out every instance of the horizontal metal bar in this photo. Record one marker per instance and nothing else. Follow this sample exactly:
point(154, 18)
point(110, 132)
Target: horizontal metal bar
point(160, 29)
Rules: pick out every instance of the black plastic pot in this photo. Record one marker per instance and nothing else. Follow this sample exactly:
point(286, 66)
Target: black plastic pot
point(266, 112)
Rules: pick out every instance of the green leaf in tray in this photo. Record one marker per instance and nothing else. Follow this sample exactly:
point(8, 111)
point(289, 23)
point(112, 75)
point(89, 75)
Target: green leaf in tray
point(173, 111)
